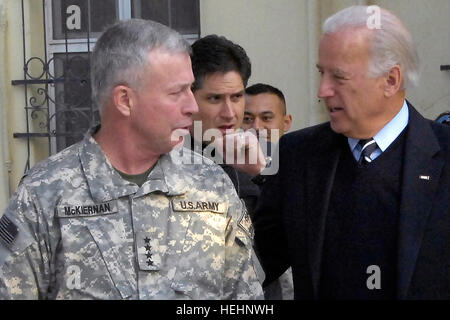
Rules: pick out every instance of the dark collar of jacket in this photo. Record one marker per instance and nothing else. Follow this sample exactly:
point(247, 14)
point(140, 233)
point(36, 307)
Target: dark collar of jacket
point(242, 182)
point(419, 160)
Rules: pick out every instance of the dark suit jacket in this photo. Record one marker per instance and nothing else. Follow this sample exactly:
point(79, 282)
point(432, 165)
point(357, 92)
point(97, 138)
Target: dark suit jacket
point(247, 190)
point(292, 210)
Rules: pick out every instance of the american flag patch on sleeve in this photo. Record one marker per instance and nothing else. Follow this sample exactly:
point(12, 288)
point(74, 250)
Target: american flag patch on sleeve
point(8, 230)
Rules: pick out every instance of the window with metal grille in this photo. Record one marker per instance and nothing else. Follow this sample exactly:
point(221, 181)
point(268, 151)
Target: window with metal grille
point(61, 78)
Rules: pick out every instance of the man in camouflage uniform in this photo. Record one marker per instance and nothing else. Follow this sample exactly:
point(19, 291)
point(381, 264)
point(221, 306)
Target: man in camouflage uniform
point(117, 215)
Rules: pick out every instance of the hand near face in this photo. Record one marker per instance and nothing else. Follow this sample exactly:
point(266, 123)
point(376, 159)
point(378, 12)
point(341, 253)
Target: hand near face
point(242, 151)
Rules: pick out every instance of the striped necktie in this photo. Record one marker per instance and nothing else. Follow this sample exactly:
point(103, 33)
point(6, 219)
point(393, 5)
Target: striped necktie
point(368, 146)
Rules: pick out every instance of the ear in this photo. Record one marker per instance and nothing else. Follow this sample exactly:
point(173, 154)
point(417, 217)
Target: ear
point(393, 81)
point(123, 99)
point(287, 122)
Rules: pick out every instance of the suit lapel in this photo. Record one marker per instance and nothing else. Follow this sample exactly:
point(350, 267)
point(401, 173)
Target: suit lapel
point(421, 173)
point(320, 175)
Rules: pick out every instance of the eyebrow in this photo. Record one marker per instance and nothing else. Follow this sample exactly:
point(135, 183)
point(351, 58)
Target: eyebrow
point(212, 93)
point(180, 85)
point(336, 71)
point(242, 92)
point(341, 73)
point(264, 113)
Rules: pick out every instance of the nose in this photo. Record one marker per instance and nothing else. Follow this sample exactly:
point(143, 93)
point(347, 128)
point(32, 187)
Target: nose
point(227, 110)
point(190, 105)
point(325, 88)
point(257, 124)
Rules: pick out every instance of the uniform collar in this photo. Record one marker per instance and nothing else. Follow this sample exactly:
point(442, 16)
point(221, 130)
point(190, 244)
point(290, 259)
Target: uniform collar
point(168, 176)
point(106, 184)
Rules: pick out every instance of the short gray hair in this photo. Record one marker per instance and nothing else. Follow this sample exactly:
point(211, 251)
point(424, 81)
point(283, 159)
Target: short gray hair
point(121, 53)
point(391, 44)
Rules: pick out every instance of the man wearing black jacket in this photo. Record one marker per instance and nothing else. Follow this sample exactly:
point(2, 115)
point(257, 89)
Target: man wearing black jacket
point(221, 69)
point(360, 206)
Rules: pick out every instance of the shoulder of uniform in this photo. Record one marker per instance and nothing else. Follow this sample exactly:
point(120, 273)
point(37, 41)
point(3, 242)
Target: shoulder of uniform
point(54, 165)
point(198, 158)
point(193, 161)
point(203, 171)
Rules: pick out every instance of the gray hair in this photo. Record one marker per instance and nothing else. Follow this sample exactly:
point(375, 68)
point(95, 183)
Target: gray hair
point(121, 53)
point(391, 42)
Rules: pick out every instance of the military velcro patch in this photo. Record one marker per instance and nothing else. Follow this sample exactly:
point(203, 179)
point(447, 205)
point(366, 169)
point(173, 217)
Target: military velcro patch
point(8, 230)
point(202, 206)
point(77, 211)
point(245, 223)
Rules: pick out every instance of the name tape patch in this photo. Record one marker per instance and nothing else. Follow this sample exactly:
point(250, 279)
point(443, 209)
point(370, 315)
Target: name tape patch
point(201, 206)
point(79, 211)
point(8, 230)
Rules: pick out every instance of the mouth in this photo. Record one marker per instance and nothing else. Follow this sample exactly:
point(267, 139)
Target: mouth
point(226, 128)
point(182, 130)
point(334, 110)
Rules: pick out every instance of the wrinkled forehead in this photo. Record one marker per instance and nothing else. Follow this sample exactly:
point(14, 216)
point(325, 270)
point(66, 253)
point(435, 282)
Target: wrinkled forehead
point(349, 37)
point(346, 45)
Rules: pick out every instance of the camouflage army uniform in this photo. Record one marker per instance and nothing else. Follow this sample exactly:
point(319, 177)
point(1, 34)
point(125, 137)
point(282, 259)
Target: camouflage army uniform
point(75, 229)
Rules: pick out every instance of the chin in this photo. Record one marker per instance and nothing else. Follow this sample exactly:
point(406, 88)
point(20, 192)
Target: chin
point(337, 128)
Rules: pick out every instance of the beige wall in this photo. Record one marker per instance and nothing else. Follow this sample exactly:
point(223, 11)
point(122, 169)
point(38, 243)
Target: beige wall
point(13, 155)
point(429, 24)
point(274, 34)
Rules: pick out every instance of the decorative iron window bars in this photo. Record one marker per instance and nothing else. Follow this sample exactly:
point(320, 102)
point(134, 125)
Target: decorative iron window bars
point(60, 107)
point(60, 114)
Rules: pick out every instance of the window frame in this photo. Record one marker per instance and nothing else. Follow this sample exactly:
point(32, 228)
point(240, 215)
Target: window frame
point(79, 45)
